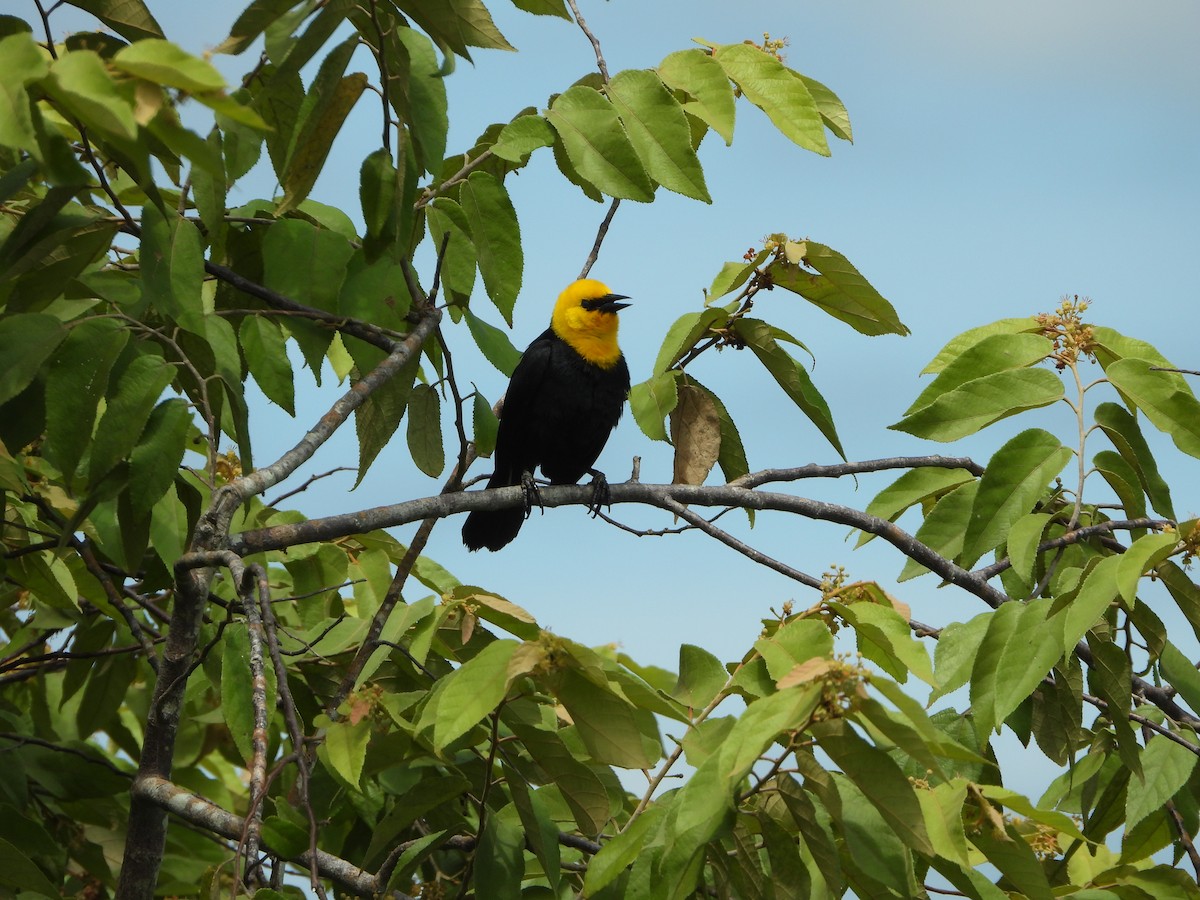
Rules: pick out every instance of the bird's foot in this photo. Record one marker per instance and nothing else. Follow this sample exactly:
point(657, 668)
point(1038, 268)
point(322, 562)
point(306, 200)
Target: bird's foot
point(532, 495)
point(601, 495)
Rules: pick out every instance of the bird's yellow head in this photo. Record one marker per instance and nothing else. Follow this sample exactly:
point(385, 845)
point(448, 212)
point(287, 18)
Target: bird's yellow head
point(585, 316)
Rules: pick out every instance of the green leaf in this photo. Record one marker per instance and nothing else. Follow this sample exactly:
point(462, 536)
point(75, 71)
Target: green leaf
point(1098, 590)
point(1166, 768)
point(497, 239)
point(1019, 648)
point(20, 63)
point(995, 353)
point(445, 217)
point(924, 485)
point(458, 24)
point(379, 416)
point(652, 401)
point(26, 342)
point(982, 402)
point(237, 688)
point(162, 62)
point(1015, 478)
point(82, 83)
point(839, 289)
point(695, 72)
point(944, 527)
point(581, 788)
point(1122, 429)
point(617, 854)
point(493, 343)
point(377, 182)
point(597, 145)
point(1023, 540)
point(607, 724)
point(129, 405)
point(701, 677)
point(885, 638)
point(880, 780)
point(658, 129)
point(265, 350)
point(957, 345)
point(1181, 674)
point(794, 643)
point(325, 107)
point(468, 694)
point(251, 23)
point(790, 376)
point(1143, 555)
point(1124, 482)
point(733, 275)
point(128, 18)
point(833, 111)
point(76, 379)
point(423, 106)
point(425, 430)
point(522, 136)
point(345, 749)
point(1164, 397)
point(305, 263)
point(20, 872)
point(684, 334)
point(155, 460)
point(485, 425)
point(499, 859)
point(172, 261)
point(774, 89)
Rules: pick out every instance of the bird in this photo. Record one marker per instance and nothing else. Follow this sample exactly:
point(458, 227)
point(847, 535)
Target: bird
point(564, 399)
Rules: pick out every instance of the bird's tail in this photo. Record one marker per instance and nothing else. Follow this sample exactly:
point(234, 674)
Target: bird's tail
point(493, 529)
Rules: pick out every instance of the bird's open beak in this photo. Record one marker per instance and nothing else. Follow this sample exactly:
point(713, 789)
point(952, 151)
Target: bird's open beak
point(611, 303)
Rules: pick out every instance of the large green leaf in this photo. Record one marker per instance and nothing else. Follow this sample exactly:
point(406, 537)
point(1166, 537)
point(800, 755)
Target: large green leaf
point(305, 263)
point(658, 128)
point(162, 62)
point(493, 343)
point(1016, 477)
point(774, 89)
point(609, 726)
point(1123, 430)
point(155, 460)
point(469, 694)
point(497, 239)
point(129, 18)
point(82, 83)
point(265, 350)
point(1164, 397)
point(982, 402)
point(652, 401)
point(685, 333)
point(1018, 649)
point(597, 145)
point(457, 24)
point(172, 260)
point(26, 342)
point(944, 527)
point(838, 288)
point(130, 402)
point(879, 779)
point(522, 136)
point(75, 381)
point(995, 353)
point(697, 74)
point(790, 375)
point(425, 430)
point(325, 107)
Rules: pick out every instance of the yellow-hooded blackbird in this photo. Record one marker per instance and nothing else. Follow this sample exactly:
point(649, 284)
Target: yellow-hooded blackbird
point(565, 396)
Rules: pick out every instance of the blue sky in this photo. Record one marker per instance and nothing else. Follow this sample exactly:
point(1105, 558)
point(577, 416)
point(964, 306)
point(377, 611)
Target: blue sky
point(1004, 155)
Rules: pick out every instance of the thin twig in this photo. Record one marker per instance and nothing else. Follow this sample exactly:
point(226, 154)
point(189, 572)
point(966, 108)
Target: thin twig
point(601, 233)
point(600, 64)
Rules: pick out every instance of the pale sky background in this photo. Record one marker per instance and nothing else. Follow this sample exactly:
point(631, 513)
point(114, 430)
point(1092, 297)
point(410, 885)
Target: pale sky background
point(1004, 155)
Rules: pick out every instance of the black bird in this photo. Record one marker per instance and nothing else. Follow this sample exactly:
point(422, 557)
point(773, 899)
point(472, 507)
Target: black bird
point(565, 396)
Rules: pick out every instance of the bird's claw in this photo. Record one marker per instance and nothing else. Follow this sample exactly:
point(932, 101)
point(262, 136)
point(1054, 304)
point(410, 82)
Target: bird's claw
point(601, 495)
point(530, 489)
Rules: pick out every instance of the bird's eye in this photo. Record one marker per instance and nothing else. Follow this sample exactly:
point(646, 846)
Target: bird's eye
point(592, 303)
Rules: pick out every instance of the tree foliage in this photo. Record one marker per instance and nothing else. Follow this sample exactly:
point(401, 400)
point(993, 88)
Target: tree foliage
point(203, 691)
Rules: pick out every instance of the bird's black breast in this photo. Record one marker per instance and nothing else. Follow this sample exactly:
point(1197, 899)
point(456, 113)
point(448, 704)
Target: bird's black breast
point(559, 411)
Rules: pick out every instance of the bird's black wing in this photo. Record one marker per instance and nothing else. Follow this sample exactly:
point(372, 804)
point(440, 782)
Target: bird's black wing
point(515, 451)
